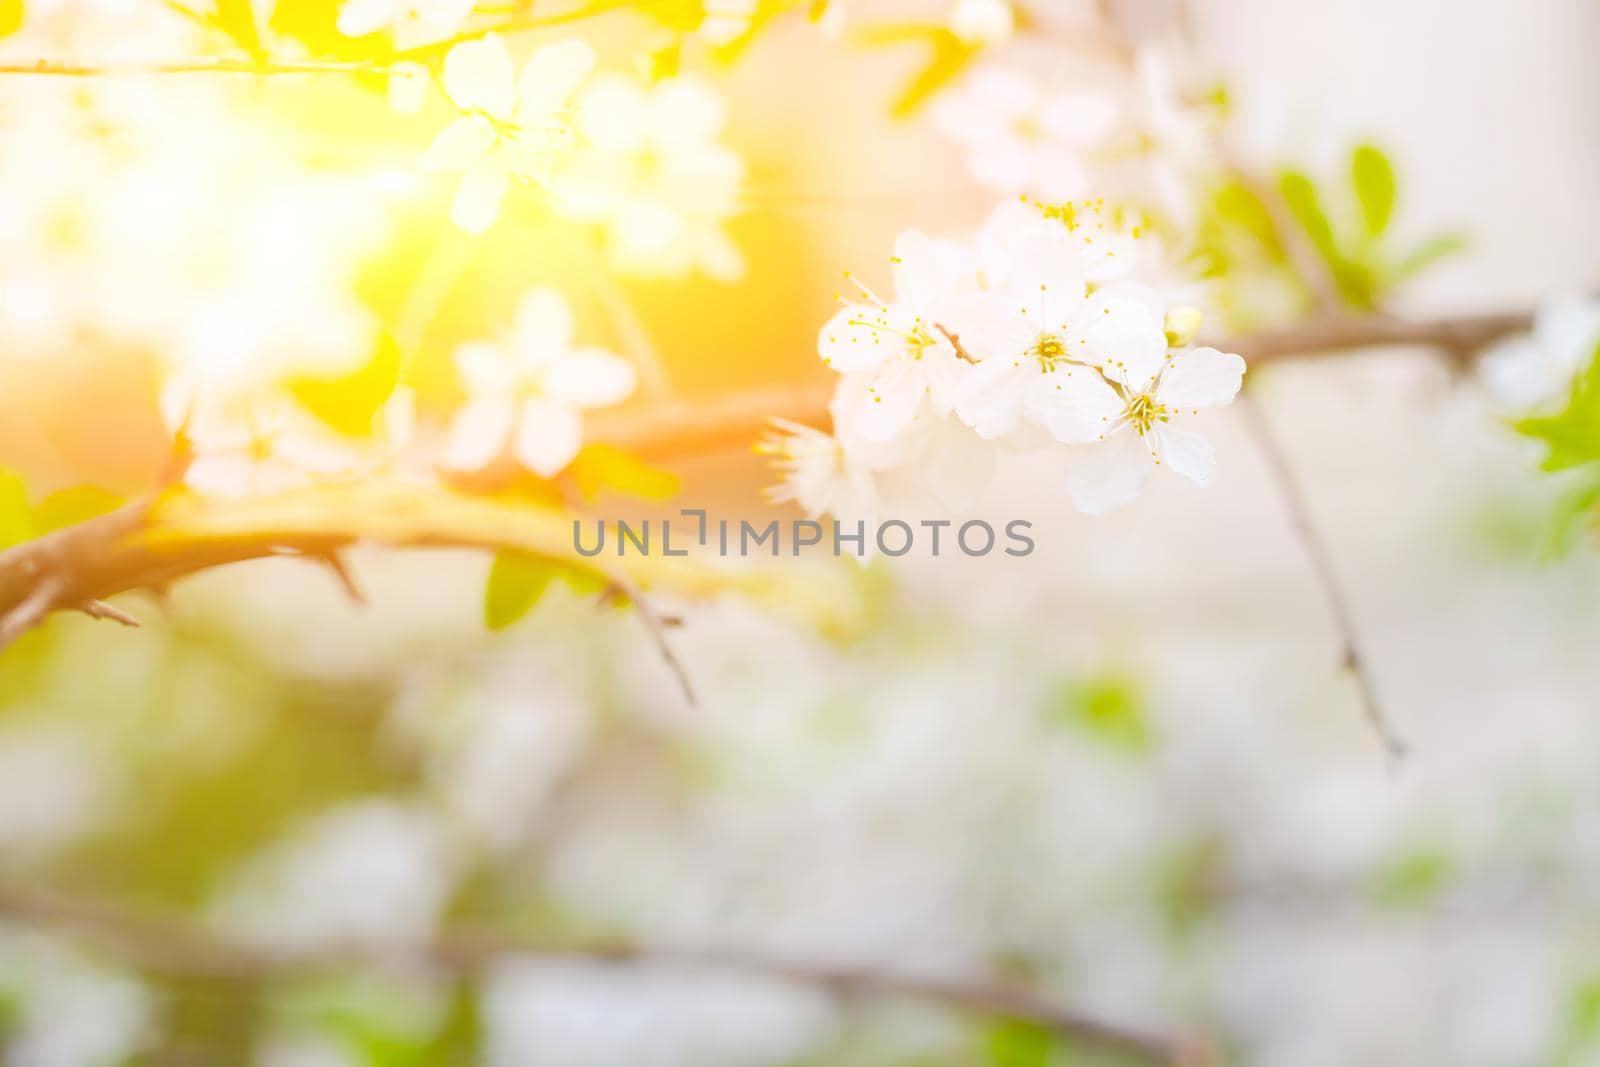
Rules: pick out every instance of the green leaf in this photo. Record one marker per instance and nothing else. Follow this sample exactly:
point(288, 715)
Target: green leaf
point(16, 517)
point(1237, 205)
point(11, 15)
point(516, 584)
point(1110, 708)
point(1015, 1043)
point(68, 507)
point(950, 57)
point(350, 405)
point(599, 467)
point(1372, 176)
point(1429, 252)
point(1572, 434)
point(1353, 280)
point(1414, 879)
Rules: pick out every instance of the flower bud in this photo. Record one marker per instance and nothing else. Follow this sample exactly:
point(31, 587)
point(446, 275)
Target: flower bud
point(1182, 324)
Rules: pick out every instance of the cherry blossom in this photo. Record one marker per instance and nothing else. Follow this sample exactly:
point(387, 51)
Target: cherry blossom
point(899, 346)
point(413, 22)
point(1533, 369)
point(510, 126)
point(530, 390)
point(653, 172)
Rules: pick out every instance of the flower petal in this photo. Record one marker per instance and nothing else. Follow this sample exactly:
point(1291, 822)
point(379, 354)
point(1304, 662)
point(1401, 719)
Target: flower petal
point(991, 395)
point(927, 272)
point(1186, 452)
point(893, 396)
point(478, 433)
point(590, 378)
point(548, 437)
point(959, 464)
point(478, 199)
point(857, 338)
point(543, 330)
point(1200, 378)
point(357, 18)
point(485, 368)
point(549, 78)
point(460, 145)
point(1074, 404)
point(1122, 331)
point(1104, 476)
point(479, 76)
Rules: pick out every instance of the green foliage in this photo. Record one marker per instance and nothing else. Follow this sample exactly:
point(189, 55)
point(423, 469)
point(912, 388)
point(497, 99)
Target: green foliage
point(1014, 1043)
point(351, 404)
point(517, 582)
point(1372, 177)
point(1110, 708)
point(1581, 1030)
point(11, 15)
point(947, 57)
point(1572, 434)
point(21, 520)
point(603, 467)
point(1188, 884)
point(1351, 243)
point(1413, 879)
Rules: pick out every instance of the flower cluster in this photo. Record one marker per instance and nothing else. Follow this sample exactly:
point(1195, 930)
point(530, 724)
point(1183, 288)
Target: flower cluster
point(644, 162)
point(1047, 331)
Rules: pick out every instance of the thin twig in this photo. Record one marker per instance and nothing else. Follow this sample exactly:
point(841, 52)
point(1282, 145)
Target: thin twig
point(176, 948)
point(32, 609)
point(955, 342)
point(656, 626)
point(99, 609)
point(1321, 558)
point(336, 565)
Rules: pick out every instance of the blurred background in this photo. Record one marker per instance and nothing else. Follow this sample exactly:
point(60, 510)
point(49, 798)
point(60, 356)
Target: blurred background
point(1128, 771)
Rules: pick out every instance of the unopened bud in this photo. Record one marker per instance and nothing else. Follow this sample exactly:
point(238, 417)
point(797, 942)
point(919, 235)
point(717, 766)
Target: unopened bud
point(1182, 324)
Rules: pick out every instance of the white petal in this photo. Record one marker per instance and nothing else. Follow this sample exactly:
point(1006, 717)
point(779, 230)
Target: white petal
point(551, 75)
point(959, 465)
point(1122, 332)
point(893, 396)
point(477, 202)
point(990, 326)
point(1105, 476)
point(544, 328)
point(1200, 378)
point(1074, 404)
point(548, 437)
point(485, 368)
point(478, 433)
point(479, 76)
point(927, 272)
point(1185, 451)
point(1046, 278)
point(357, 18)
point(685, 113)
point(991, 395)
point(590, 378)
point(460, 145)
point(857, 338)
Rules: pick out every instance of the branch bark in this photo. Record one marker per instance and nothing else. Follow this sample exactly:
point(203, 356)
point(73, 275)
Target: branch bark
point(176, 948)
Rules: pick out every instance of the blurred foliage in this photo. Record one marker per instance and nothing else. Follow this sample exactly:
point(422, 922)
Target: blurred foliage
point(22, 520)
point(947, 57)
point(1571, 434)
point(11, 16)
point(1110, 708)
point(1413, 879)
point(351, 405)
point(517, 582)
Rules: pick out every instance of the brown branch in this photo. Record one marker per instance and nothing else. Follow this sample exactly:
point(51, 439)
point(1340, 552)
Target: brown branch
point(655, 624)
point(1321, 558)
point(173, 947)
point(955, 342)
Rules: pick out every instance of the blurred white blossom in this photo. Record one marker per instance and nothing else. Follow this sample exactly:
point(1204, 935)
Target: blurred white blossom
point(530, 390)
point(1533, 369)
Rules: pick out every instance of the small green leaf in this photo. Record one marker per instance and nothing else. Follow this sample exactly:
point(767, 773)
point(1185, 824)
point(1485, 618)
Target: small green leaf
point(350, 405)
point(68, 507)
point(1372, 176)
point(11, 15)
point(1353, 280)
point(599, 467)
point(516, 584)
point(1572, 434)
point(1110, 708)
point(1238, 205)
point(950, 58)
point(1413, 879)
point(1429, 252)
point(1015, 1043)
point(16, 517)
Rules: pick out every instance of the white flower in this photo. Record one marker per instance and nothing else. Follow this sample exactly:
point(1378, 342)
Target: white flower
point(817, 473)
point(651, 169)
point(414, 22)
point(726, 21)
point(899, 347)
point(1020, 139)
point(509, 127)
point(1536, 368)
point(256, 446)
point(982, 22)
point(531, 390)
point(1135, 432)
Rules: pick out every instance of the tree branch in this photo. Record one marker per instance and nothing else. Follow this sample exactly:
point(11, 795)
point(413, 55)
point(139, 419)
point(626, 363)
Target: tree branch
point(176, 948)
